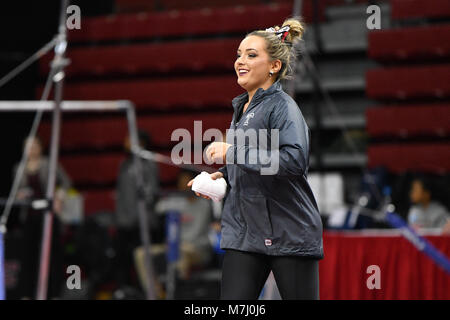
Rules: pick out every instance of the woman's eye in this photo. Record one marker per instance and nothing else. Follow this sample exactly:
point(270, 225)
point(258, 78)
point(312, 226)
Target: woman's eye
point(252, 55)
point(238, 56)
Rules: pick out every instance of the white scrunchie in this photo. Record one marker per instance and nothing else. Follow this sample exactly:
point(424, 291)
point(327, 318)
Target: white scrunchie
point(280, 32)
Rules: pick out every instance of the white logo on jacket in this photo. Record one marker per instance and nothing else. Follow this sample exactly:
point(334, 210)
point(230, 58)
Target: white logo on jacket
point(248, 117)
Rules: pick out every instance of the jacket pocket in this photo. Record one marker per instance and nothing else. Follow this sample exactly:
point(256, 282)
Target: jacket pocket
point(256, 214)
point(232, 222)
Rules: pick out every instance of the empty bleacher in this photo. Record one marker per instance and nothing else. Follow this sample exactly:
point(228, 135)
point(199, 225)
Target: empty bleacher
point(103, 133)
point(101, 169)
point(99, 200)
point(411, 43)
point(179, 23)
point(413, 9)
point(407, 82)
point(146, 5)
point(215, 54)
point(409, 121)
point(160, 94)
point(400, 158)
point(411, 132)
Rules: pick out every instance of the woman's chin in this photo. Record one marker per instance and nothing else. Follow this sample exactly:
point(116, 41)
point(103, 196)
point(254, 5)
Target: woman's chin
point(242, 83)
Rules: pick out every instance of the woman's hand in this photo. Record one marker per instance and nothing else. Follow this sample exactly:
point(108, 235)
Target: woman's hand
point(214, 176)
point(217, 151)
point(58, 202)
point(24, 193)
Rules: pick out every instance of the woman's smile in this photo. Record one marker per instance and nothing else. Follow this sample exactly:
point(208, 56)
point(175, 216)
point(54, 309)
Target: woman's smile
point(242, 72)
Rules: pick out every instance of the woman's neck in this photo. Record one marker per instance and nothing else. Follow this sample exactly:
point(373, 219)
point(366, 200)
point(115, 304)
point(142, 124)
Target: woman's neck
point(264, 86)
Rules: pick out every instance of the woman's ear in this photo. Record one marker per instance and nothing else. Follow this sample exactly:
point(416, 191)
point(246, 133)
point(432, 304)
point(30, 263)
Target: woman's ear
point(275, 66)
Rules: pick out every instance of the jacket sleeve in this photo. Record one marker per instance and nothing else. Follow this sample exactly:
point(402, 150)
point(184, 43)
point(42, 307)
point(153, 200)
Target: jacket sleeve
point(289, 157)
point(224, 172)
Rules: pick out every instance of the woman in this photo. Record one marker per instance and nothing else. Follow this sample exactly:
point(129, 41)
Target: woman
point(33, 186)
point(270, 222)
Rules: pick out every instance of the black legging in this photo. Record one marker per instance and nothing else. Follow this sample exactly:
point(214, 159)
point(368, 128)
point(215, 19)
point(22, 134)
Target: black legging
point(244, 275)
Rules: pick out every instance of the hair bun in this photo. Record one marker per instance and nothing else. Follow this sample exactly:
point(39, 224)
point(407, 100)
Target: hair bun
point(296, 29)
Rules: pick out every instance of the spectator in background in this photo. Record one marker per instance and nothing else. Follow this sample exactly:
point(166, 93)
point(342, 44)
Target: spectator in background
point(426, 212)
point(196, 220)
point(127, 196)
point(33, 186)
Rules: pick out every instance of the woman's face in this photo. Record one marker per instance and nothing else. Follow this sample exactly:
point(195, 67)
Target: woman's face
point(35, 149)
point(417, 193)
point(253, 64)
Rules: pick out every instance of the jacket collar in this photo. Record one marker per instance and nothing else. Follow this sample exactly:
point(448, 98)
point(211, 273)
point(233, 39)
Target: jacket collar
point(259, 95)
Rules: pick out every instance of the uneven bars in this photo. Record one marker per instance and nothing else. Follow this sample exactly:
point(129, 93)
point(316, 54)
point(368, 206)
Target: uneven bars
point(120, 105)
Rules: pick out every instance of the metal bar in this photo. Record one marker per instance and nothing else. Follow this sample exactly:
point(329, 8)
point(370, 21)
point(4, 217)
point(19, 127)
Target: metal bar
point(72, 106)
point(142, 210)
point(2, 262)
point(58, 65)
point(154, 156)
point(37, 55)
point(420, 243)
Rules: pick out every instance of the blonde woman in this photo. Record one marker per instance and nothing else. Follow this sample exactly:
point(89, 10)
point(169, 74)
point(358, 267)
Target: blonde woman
point(270, 220)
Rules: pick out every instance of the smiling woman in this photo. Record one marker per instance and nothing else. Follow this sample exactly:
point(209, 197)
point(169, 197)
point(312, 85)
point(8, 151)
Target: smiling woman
point(270, 221)
point(268, 52)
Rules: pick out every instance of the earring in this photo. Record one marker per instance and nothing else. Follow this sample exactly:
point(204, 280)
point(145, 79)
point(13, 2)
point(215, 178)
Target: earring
point(270, 73)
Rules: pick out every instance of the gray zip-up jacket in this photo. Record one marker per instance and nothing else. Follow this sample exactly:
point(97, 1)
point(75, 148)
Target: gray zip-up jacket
point(272, 213)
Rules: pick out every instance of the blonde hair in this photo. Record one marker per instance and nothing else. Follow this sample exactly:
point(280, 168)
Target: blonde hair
point(282, 50)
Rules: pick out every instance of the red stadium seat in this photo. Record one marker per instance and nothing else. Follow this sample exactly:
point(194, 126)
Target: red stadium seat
point(146, 5)
point(407, 9)
point(110, 132)
point(145, 58)
point(195, 4)
point(179, 23)
point(95, 133)
point(410, 43)
point(98, 169)
point(99, 200)
point(126, 6)
point(409, 82)
point(162, 127)
point(205, 21)
point(192, 93)
point(429, 157)
point(122, 6)
point(307, 11)
point(102, 169)
point(407, 121)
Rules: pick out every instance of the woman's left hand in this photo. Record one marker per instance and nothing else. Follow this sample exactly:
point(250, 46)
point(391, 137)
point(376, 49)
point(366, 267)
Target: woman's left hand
point(216, 152)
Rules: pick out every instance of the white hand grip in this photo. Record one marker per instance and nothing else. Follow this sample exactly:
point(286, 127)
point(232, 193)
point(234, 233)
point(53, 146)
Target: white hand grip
point(215, 189)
